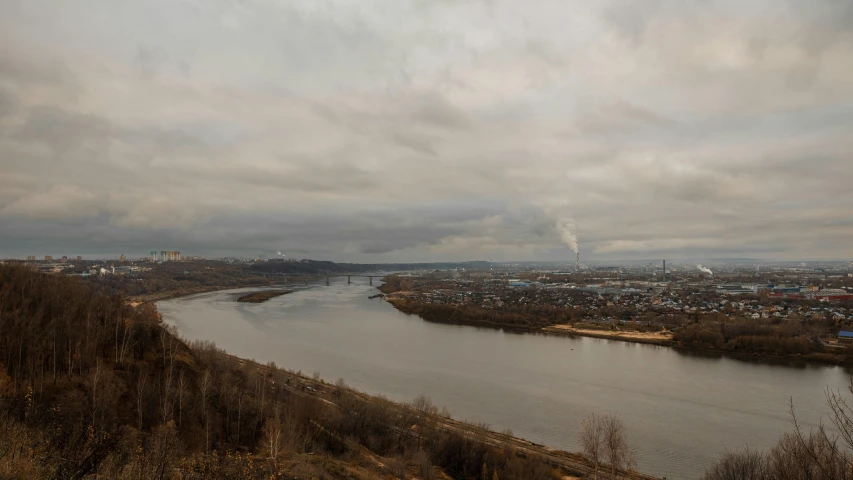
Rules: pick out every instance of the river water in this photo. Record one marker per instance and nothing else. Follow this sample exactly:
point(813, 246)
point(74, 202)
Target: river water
point(681, 410)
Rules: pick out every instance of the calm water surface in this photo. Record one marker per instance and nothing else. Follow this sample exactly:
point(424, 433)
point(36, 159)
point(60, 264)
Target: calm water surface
point(681, 411)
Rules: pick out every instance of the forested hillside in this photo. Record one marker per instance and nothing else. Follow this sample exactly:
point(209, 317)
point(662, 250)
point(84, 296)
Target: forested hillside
point(91, 387)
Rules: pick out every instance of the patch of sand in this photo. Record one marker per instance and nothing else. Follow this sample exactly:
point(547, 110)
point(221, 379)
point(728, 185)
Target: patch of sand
point(616, 333)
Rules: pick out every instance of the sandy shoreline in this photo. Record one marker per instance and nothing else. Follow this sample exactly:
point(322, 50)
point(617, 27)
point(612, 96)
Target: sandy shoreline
point(156, 297)
point(184, 292)
point(655, 338)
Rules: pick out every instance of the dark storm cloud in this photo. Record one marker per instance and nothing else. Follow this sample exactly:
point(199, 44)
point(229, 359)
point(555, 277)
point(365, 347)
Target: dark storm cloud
point(427, 130)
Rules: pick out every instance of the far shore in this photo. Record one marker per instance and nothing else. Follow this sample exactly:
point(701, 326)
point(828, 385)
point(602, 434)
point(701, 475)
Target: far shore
point(662, 339)
point(262, 296)
point(185, 292)
point(182, 292)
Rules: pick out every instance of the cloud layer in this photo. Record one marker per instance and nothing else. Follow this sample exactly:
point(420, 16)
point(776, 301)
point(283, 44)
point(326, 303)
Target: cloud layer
point(414, 130)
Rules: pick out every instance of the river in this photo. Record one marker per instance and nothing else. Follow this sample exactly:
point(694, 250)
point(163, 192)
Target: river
point(681, 410)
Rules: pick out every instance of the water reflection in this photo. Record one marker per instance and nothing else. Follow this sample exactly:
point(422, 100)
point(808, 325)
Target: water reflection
point(682, 409)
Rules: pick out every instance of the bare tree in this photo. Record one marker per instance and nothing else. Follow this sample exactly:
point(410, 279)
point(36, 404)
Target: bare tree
point(424, 465)
point(183, 389)
point(240, 403)
point(166, 398)
point(602, 439)
point(744, 465)
point(261, 380)
point(272, 442)
point(125, 341)
point(592, 440)
point(423, 403)
point(616, 449)
point(169, 341)
point(96, 379)
point(205, 387)
point(841, 413)
point(141, 384)
point(397, 466)
point(163, 448)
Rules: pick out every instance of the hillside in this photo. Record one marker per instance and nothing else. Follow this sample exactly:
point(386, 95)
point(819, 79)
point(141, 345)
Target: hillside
point(92, 387)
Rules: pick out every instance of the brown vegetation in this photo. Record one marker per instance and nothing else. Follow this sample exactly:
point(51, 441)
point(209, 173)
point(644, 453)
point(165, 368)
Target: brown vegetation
point(92, 386)
point(763, 338)
point(178, 278)
point(603, 441)
point(262, 296)
point(511, 318)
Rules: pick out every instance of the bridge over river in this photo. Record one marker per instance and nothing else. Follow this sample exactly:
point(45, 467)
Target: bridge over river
point(329, 277)
point(356, 275)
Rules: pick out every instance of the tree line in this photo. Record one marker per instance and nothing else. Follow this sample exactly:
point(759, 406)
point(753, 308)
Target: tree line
point(179, 277)
point(505, 317)
point(779, 338)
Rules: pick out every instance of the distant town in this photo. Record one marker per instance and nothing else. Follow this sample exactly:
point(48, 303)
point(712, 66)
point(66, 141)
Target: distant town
point(767, 309)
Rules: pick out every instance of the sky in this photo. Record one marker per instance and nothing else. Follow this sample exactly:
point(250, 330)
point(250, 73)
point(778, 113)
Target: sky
point(427, 130)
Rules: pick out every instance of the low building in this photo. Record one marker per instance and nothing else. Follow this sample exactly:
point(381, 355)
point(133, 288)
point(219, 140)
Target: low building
point(736, 289)
point(785, 290)
point(845, 336)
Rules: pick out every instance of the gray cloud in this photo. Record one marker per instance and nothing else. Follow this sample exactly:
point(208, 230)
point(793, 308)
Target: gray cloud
point(390, 131)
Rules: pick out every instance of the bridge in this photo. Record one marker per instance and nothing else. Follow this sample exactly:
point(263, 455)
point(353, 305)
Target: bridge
point(349, 276)
point(357, 275)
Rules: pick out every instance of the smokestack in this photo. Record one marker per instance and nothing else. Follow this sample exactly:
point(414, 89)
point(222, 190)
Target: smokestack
point(577, 261)
point(664, 270)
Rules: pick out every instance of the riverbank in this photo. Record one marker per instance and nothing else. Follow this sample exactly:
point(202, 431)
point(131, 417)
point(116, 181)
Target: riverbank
point(571, 465)
point(187, 291)
point(664, 339)
point(262, 296)
point(251, 421)
point(452, 315)
point(401, 303)
point(181, 292)
point(539, 386)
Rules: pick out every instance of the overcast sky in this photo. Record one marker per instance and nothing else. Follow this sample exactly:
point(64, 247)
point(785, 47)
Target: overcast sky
point(421, 130)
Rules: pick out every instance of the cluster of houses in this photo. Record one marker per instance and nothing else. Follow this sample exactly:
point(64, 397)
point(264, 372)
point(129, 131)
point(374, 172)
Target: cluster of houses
point(629, 300)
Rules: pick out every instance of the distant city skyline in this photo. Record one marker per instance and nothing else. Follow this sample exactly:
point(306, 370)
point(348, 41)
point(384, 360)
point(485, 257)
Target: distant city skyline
point(394, 131)
point(675, 262)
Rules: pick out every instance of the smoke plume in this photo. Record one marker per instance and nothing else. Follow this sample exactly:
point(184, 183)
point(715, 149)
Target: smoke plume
point(704, 269)
point(566, 227)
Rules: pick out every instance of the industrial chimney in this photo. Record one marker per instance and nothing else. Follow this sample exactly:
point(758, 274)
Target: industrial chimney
point(664, 270)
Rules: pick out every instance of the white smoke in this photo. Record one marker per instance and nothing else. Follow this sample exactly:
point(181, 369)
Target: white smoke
point(566, 227)
point(281, 254)
point(705, 270)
